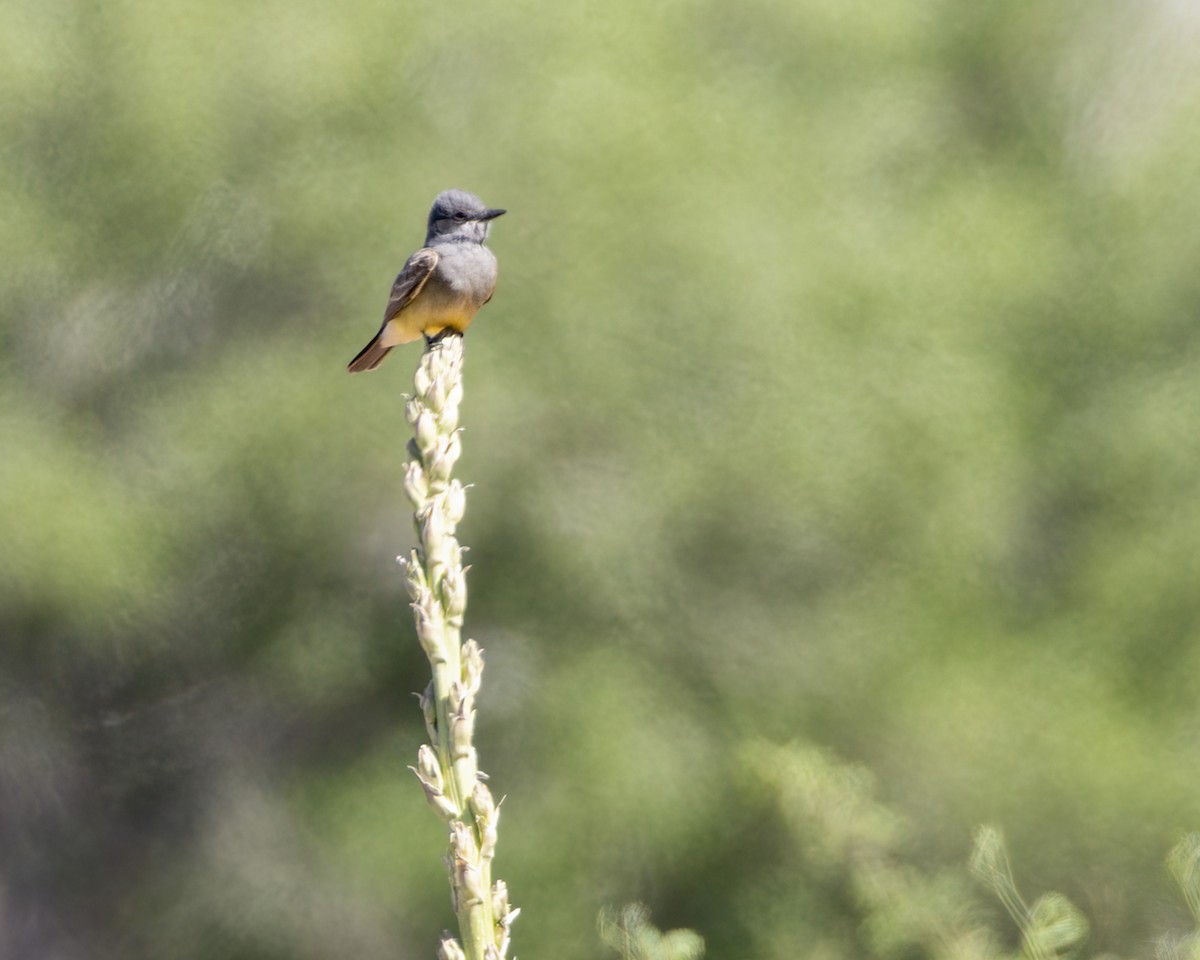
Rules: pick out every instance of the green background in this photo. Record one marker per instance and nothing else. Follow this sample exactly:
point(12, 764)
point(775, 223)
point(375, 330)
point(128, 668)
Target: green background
point(840, 388)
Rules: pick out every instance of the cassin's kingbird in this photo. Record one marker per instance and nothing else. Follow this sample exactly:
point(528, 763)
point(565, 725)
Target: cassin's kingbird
point(442, 285)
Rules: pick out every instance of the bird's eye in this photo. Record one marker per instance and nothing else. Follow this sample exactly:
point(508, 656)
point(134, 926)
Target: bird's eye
point(460, 216)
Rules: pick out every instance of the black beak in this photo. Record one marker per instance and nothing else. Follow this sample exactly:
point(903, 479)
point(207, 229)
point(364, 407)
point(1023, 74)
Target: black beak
point(490, 214)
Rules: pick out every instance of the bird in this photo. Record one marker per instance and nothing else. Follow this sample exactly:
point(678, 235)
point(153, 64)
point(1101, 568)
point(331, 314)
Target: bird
point(442, 286)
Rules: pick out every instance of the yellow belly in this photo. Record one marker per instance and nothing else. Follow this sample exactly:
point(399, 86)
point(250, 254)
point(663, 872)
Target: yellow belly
point(428, 316)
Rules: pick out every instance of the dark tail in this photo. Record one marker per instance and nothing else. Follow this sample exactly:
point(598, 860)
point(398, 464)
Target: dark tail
point(369, 357)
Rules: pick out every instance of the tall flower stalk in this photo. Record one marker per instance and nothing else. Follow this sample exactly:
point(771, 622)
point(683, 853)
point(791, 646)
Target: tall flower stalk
point(447, 766)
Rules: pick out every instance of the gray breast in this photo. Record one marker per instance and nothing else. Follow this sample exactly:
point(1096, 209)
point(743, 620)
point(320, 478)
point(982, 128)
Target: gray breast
point(467, 269)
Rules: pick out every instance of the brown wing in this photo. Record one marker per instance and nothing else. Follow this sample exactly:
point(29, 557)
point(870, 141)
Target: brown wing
point(409, 282)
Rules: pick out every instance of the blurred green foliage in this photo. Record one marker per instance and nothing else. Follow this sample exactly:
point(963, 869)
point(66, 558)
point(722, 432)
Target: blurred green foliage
point(632, 936)
point(841, 385)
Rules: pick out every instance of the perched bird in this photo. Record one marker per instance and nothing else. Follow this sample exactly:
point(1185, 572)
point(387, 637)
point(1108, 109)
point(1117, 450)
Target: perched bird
point(442, 285)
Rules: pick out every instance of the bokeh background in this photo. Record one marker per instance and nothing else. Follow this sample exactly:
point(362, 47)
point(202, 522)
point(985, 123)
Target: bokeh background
point(840, 393)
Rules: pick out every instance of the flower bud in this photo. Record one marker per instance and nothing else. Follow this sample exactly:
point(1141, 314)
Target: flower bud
point(469, 882)
point(421, 380)
point(429, 625)
point(455, 696)
point(442, 459)
point(462, 730)
point(454, 594)
point(426, 432)
point(482, 803)
point(447, 418)
point(429, 772)
point(435, 396)
point(416, 484)
point(449, 948)
point(487, 816)
point(428, 768)
point(462, 842)
point(414, 575)
point(472, 666)
point(500, 901)
point(455, 502)
point(433, 537)
point(454, 554)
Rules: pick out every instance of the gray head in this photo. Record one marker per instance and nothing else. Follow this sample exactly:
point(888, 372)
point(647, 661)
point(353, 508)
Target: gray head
point(459, 216)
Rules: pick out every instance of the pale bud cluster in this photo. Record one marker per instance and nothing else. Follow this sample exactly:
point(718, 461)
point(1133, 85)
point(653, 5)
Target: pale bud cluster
point(448, 767)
